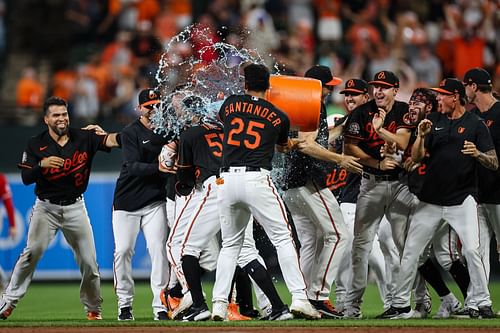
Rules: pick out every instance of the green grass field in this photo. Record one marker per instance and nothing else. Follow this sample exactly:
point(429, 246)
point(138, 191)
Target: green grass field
point(57, 304)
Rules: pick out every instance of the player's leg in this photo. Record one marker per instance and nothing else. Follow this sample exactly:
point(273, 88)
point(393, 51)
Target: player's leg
point(154, 228)
point(464, 220)
point(376, 263)
point(307, 233)
point(345, 268)
point(126, 226)
point(426, 220)
point(485, 234)
point(267, 207)
point(494, 222)
point(44, 222)
point(369, 212)
point(78, 233)
point(391, 259)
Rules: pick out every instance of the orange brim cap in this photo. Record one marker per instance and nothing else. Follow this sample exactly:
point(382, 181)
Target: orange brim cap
point(333, 82)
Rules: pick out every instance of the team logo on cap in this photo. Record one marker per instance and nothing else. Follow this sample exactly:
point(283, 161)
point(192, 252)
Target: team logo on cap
point(381, 76)
point(442, 83)
point(152, 94)
point(350, 83)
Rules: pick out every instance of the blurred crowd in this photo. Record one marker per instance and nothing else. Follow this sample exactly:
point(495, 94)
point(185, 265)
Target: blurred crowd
point(112, 48)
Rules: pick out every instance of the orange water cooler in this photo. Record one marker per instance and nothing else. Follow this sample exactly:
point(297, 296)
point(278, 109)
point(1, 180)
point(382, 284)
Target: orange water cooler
point(299, 98)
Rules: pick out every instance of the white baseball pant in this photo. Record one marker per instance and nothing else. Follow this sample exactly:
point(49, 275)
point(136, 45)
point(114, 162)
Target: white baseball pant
point(322, 233)
point(152, 220)
point(427, 219)
point(489, 225)
point(376, 262)
point(253, 193)
point(46, 219)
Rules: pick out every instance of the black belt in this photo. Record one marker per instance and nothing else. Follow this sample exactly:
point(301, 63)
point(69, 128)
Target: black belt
point(66, 202)
point(380, 178)
point(248, 168)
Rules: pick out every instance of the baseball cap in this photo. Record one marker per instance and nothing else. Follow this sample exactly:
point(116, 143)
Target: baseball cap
point(323, 74)
point(478, 76)
point(451, 86)
point(148, 97)
point(356, 86)
point(386, 78)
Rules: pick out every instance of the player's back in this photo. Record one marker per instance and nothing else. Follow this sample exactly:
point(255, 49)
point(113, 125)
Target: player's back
point(252, 127)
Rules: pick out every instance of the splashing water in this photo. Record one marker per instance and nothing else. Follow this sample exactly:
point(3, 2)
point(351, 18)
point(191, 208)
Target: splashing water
point(197, 86)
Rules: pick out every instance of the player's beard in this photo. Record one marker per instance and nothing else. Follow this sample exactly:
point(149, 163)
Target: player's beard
point(60, 131)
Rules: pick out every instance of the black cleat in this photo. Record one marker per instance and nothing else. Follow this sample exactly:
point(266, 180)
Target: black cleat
point(486, 312)
point(327, 309)
point(281, 314)
point(197, 313)
point(393, 312)
point(125, 314)
point(162, 315)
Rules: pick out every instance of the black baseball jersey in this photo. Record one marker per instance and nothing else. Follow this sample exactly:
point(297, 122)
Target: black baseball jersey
point(252, 127)
point(200, 153)
point(489, 180)
point(71, 180)
point(299, 167)
point(415, 178)
point(451, 175)
point(140, 182)
point(359, 127)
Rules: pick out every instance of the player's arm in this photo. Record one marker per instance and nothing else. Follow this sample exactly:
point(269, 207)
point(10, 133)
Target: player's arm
point(418, 149)
point(132, 158)
point(310, 147)
point(9, 205)
point(111, 140)
point(401, 137)
point(483, 150)
point(186, 178)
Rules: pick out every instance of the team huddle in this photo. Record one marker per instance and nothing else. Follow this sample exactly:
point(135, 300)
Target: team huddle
point(393, 186)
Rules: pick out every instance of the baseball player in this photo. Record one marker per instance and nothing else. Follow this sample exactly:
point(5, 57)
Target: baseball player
point(6, 196)
point(200, 152)
point(140, 205)
point(59, 160)
point(370, 126)
point(316, 213)
point(445, 244)
point(252, 129)
point(456, 141)
point(384, 251)
point(478, 87)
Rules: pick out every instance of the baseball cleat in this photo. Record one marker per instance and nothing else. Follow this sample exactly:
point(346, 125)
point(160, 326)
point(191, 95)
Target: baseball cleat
point(353, 312)
point(394, 312)
point(5, 309)
point(162, 315)
point(462, 313)
point(448, 307)
point(184, 304)
point(281, 314)
point(302, 308)
point(94, 315)
point(196, 313)
point(486, 312)
point(219, 311)
point(327, 310)
point(125, 314)
point(422, 310)
point(233, 314)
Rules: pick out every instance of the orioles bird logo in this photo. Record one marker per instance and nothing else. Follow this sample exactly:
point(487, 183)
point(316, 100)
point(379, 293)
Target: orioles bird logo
point(381, 76)
point(489, 122)
point(152, 94)
point(461, 130)
point(350, 83)
point(442, 83)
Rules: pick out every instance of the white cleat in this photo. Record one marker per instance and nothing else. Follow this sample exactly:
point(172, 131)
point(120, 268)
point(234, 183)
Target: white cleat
point(219, 311)
point(184, 304)
point(449, 305)
point(302, 308)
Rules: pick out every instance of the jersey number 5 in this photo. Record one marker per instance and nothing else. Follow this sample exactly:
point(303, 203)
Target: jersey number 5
point(214, 141)
point(250, 132)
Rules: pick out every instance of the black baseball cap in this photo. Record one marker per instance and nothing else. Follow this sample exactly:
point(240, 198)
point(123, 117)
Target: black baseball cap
point(323, 74)
point(149, 97)
point(451, 86)
point(356, 86)
point(385, 78)
point(478, 76)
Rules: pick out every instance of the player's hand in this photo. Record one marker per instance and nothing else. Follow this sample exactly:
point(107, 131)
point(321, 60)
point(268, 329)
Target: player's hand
point(470, 149)
point(168, 155)
point(52, 162)
point(424, 127)
point(12, 232)
point(378, 119)
point(388, 149)
point(409, 165)
point(350, 163)
point(388, 164)
point(163, 168)
point(96, 128)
